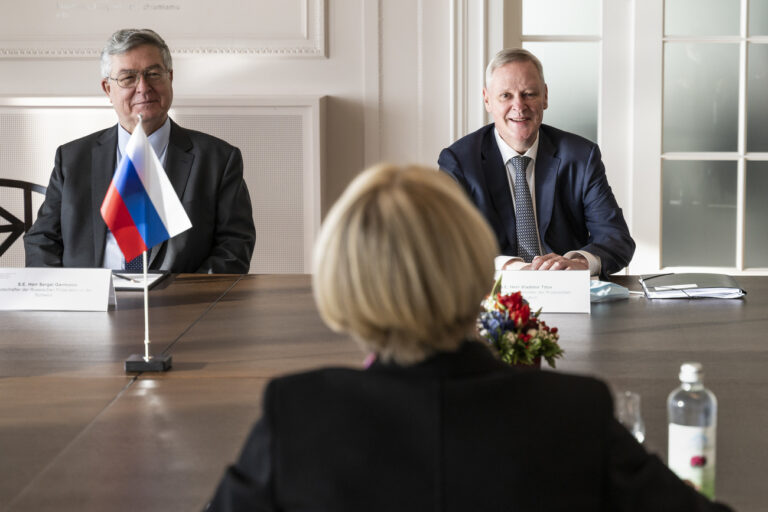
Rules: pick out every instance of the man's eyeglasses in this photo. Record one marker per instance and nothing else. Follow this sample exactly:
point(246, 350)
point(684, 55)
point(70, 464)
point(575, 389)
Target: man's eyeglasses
point(128, 79)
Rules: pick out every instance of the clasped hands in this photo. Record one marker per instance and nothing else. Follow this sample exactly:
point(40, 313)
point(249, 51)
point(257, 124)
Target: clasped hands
point(549, 261)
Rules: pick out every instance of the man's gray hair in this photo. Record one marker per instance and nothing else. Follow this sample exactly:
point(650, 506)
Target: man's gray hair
point(127, 39)
point(508, 55)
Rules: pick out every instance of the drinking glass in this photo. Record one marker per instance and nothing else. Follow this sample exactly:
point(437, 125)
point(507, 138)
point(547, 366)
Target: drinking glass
point(628, 413)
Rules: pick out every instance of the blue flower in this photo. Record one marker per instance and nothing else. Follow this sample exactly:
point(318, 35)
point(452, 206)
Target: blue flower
point(493, 324)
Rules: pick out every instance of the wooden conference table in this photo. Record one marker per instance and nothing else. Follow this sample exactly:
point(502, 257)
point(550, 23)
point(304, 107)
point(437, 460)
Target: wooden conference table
point(78, 433)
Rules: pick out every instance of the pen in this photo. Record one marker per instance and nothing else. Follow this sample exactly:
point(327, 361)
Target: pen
point(653, 276)
point(133, 280)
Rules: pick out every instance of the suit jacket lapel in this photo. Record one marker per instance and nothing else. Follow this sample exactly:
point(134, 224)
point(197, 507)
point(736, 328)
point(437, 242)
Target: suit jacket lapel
point(178, 166)
point(103, 162)
point(547, 164)
point(498, 186)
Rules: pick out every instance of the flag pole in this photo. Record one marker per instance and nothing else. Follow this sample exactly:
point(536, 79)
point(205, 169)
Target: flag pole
point(146, 309)
point(147, 357)
point(147, 363)
point(146, 295)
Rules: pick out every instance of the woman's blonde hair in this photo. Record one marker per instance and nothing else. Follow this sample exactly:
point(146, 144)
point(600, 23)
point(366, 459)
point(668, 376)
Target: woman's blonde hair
point(402, 263)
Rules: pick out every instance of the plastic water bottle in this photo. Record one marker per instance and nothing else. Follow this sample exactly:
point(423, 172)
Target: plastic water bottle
point(692, 411)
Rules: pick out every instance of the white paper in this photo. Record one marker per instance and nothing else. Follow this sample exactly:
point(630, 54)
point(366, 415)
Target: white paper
point(554, 291)
point(56, 289)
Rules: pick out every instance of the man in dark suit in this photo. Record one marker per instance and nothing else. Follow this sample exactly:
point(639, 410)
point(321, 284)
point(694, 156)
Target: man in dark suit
point(571, 220)
point(206, 173)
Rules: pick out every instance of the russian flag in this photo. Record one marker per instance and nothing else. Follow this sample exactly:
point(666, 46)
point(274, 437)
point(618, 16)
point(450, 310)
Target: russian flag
point(141, 208)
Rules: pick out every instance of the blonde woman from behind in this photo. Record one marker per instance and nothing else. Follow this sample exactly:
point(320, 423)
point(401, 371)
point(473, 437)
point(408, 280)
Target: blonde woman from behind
point(436, 422)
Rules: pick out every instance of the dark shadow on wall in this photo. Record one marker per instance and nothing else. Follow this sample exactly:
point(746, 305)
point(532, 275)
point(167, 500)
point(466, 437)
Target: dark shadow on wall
point(343, 137)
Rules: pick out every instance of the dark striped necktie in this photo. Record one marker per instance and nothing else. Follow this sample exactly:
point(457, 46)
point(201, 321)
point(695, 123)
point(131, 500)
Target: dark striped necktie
point(525, 220)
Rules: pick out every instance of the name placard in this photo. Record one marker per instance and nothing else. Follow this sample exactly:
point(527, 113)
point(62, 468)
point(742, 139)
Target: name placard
point(554, 291)
point(56, 289)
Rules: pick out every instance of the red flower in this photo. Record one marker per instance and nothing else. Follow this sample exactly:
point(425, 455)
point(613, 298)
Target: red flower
point(698, 461)
point(510, 302)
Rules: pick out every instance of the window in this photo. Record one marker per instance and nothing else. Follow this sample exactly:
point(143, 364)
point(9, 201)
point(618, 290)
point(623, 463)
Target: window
point(569, 47)
point(715, 117)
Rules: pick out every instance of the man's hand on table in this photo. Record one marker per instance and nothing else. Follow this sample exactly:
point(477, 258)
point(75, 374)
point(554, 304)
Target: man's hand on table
point(549, 261)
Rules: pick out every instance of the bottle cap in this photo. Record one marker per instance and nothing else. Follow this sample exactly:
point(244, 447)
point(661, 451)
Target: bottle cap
point(691, 372)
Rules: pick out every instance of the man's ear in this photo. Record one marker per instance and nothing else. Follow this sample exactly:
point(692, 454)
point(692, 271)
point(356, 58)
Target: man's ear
point(487, 100)
point(546, 97)
point(105, 86)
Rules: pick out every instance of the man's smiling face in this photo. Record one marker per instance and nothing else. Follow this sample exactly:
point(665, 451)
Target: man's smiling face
point(516, 98)
point(152, 101)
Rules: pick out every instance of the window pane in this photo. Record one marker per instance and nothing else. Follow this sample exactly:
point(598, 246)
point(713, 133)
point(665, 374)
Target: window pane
point(571, 71)
point(758, 17)
point(698, 213)
point(701, 17)
point(574, 17)
point(701, 96)
point(756, 216)
point(757, 97)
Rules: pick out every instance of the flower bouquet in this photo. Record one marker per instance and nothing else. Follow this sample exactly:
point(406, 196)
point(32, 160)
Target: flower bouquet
point(515, 333)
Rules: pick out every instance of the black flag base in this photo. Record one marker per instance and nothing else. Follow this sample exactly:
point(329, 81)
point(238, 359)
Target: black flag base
point(137, 363)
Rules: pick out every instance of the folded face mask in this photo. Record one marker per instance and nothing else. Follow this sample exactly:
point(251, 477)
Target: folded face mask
point(603, 291)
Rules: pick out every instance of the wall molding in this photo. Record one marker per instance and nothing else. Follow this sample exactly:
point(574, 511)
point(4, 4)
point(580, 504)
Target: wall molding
point(372, 64)
point(458, 71)
point(477, 32)
point(28, 34)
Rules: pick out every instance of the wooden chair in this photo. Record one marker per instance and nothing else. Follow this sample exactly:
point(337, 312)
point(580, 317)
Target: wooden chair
point(17, 227)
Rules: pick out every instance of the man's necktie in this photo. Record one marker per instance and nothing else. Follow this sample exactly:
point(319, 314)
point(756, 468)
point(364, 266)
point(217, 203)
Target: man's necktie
point(525, 220)
point(135, 265)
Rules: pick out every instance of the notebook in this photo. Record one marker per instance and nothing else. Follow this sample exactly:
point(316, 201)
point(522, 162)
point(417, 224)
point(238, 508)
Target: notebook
point(691, 286)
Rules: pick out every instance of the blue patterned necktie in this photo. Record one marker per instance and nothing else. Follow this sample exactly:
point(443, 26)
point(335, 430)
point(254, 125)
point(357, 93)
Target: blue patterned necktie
point(525, 220)
point(135, 265)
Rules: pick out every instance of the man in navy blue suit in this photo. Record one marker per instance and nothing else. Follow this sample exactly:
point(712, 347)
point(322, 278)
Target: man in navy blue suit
point(562, 215)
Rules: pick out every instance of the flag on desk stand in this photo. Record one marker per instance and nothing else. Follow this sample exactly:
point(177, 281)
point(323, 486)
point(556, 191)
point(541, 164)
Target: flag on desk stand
point(142, 210)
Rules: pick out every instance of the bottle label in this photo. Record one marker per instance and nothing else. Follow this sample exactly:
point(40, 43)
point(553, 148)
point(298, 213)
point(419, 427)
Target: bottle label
point(691, 456)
